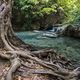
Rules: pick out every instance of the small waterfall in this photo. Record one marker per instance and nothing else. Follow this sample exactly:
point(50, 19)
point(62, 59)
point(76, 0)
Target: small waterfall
point(57, 29)
point(54, 29)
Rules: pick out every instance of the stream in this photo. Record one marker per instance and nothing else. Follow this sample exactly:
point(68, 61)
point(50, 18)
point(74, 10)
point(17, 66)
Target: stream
point(70, 47)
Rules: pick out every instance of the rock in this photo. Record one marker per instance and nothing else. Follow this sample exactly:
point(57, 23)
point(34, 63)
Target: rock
point(72, 31)
point(51, 35)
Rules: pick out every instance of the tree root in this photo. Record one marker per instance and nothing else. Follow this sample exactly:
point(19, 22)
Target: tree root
point(14, 66)
point(51, 68)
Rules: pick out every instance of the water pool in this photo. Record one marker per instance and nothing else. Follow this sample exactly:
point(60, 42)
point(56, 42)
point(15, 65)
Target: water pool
point(70, 47)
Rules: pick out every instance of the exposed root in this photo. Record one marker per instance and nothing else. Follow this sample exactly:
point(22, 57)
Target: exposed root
point(44, 52)
point(4, 56)
point(15, 64)
point(47, 72)
point(50, 68)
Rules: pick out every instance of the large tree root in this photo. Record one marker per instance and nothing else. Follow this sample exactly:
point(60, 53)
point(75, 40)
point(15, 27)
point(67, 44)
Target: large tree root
point(55, 69)
point(15, 64)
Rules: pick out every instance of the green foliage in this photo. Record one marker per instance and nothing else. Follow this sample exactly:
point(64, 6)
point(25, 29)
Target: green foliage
point(37, 7)
point(33, 9)
point(47, 10)
point(71, 9)
point(67, 6)
point(26, 12)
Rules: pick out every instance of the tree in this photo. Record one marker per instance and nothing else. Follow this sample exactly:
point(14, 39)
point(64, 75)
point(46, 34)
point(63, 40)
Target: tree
point(15, 51)
point(40, 13)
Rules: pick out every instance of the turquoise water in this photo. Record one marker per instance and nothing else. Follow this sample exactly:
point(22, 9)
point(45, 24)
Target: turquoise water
point(70, 47)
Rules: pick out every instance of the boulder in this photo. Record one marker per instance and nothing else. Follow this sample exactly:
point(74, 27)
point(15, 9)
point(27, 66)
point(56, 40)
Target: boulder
point(72, 31)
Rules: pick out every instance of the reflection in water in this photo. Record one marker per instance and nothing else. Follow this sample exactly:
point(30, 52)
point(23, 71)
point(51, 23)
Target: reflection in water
point(70, 47)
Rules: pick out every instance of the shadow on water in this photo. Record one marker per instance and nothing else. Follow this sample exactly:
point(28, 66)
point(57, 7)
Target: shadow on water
point(70, 47)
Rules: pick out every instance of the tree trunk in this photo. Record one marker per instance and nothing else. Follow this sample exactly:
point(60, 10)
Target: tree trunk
point(7, 35)
point(6, 31)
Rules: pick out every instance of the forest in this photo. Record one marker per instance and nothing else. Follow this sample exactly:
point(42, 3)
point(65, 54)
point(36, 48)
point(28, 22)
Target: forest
point(41, 14)
point(39, 39)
